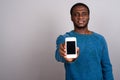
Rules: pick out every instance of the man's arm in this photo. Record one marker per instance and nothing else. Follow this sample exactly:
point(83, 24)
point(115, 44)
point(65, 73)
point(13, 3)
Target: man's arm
point(106, 64)
point(59, 41)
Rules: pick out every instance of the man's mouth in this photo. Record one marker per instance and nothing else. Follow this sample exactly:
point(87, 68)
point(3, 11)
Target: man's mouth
point(80, 22)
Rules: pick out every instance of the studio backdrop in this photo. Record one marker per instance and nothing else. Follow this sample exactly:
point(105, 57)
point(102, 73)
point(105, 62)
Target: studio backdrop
point(28, 32)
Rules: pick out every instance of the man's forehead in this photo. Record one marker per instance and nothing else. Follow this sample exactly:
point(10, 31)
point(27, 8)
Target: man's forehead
point(80, 8)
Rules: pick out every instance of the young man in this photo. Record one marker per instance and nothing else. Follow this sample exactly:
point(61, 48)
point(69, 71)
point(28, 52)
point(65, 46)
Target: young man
point(92, 62)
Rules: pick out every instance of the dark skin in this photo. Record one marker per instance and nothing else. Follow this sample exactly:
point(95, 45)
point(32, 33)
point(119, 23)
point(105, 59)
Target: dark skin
point(80, 19)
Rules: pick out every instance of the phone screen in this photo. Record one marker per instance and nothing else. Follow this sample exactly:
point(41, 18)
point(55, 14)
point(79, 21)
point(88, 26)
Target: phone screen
point(70, 47)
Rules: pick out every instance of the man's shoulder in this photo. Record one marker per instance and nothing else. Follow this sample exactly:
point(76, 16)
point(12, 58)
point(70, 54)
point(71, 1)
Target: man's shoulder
point(99, 36)
point(67, 34)
point(61, 38)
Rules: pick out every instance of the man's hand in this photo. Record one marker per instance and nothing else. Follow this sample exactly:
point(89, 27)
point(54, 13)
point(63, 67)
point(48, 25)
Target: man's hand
point(62, 50)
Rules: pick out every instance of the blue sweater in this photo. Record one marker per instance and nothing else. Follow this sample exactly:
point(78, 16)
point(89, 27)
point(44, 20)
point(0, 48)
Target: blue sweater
point(93, 62)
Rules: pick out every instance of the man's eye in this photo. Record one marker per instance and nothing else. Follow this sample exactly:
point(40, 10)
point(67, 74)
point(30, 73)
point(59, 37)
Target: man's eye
point(84, 14)
point(76, 14)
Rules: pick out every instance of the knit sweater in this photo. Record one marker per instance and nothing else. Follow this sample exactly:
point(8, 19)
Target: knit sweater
point(93, 62)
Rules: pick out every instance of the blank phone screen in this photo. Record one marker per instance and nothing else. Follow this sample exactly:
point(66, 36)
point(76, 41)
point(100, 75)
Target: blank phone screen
point(70, 47)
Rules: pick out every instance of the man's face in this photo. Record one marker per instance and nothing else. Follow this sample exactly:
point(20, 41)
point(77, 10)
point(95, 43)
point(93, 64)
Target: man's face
point(80, 17)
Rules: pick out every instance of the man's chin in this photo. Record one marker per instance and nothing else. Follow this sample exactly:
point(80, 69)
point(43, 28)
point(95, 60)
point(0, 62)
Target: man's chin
point(81, 26)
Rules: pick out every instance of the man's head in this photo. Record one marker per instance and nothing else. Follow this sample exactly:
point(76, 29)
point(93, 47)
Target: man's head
point(80, 15)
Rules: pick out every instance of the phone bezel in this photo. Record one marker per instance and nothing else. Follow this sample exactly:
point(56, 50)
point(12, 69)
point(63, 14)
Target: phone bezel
point(71, 39)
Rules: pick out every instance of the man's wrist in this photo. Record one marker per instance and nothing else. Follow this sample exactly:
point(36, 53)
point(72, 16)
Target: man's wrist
point(71, 60)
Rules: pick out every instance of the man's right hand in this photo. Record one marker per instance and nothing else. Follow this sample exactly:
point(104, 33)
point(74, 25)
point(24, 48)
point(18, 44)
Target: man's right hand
point(62, 51)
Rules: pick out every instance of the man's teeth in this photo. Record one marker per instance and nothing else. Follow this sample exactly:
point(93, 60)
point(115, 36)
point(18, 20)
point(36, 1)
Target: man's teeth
point(80, 21)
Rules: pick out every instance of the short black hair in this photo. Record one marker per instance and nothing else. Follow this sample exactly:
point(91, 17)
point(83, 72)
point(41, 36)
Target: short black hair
point(79, 4)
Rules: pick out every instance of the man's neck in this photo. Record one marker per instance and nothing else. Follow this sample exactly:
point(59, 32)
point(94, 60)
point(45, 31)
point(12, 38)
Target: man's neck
point(82, 30)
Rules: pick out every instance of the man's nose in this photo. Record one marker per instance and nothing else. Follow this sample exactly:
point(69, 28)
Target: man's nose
point(80, 16)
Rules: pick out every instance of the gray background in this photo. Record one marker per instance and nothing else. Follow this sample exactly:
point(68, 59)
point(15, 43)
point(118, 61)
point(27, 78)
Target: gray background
point(28, 32)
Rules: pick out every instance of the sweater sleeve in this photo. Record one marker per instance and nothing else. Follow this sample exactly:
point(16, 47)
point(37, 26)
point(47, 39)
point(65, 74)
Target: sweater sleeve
point(59, 41)
point(105, 62)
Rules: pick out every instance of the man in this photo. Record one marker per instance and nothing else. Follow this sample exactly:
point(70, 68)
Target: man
point(92, 62)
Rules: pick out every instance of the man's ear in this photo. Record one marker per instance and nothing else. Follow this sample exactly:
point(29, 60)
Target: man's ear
point(71, 18)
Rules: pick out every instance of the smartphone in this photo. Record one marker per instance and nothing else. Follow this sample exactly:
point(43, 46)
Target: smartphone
point(71, 45)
